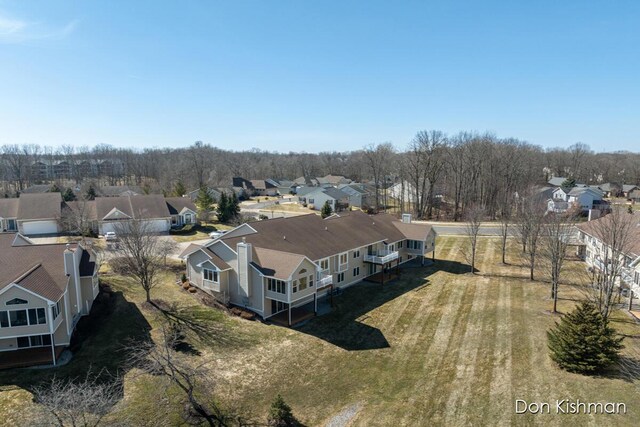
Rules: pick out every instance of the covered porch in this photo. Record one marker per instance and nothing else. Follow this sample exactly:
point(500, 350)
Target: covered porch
point(29, 357)
point(291, 316)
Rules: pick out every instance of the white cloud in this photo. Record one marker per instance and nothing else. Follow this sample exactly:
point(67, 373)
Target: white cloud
point(15, 31)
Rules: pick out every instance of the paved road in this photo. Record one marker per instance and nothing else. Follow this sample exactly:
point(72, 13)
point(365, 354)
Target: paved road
point(460, 229)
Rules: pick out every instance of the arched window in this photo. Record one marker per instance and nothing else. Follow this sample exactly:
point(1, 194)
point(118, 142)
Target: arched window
point(17, 301)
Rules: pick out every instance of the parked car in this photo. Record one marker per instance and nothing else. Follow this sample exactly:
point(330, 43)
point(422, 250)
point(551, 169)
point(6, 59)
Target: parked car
point(110, 236)
point(216, 234)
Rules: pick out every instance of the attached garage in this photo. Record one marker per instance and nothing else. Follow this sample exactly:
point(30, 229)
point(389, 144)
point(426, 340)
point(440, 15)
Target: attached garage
point(33, 228)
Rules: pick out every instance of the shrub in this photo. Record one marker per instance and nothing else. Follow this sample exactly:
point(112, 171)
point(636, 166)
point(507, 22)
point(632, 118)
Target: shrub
point(583, 342)
point(280, 414)
point(186, 229)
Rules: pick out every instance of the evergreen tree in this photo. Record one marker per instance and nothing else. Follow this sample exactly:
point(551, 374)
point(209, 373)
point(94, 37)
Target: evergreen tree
point(583, 342)
point(569, 183)
point(326, 210)
point(234, 206)
point(91, 193)
point(223, 208)
point(203, 203)
point(55, 188)
point(179, 189)
point(280, 414)
point(68, 195)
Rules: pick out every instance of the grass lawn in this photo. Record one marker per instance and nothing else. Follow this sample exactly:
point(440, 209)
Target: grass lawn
point(437, 347)
point(201, 232)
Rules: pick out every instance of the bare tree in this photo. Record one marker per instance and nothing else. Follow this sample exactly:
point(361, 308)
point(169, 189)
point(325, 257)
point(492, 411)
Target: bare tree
point(615, 232)
point(557, 233)
point(82, 403)
point(378, 159)
point(182, 371)
point(79, 217)
point(141, 253)
point(473, 217)
point(530, 218)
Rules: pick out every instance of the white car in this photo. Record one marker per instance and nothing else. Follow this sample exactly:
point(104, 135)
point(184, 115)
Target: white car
point(216, 234)
point(110, 236)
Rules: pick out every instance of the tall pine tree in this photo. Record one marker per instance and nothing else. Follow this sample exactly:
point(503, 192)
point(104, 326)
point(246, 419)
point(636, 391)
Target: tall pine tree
point(223, 208)
point(583, 342)
point(203, 203)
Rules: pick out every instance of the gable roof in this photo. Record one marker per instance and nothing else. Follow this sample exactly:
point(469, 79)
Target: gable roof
point(39, 206)
point(137, 207)
point(177, 204)
point(335, 193)
point(9, 208)
point(593, 229)
point(315, 238)
point(576, 191)
point(37, 268)
point(280, 265)
point(557, 181)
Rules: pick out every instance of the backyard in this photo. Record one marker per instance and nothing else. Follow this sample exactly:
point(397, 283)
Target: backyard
point(438, 346)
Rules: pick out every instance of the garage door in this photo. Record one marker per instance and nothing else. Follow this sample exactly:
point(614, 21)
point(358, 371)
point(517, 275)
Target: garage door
point(39, 227)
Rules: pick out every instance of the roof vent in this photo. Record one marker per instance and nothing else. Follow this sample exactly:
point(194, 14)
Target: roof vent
point(284, 237)
point(373, 223)
point(244, 239)
point(326, 228)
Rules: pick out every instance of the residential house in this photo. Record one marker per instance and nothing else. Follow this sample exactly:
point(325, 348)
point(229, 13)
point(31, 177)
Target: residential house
point(39, 213)
point(333, 180)
point(337, 199)
point(8, 215)
point(118, 191)
point(303, 181)
point(358, 196)
point(182, 211)
point(157, 213)
point(557, 181)
point(280, 268)
point(403, 191)
point(38, 188)
point(634, 196)
point(44, 290)
point(256, 187)
point(215, 193)
point(628, 188)
point(595, 253)
point(585, 198)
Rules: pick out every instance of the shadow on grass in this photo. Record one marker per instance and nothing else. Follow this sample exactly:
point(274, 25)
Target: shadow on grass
point(98, 344)
point(346, 326)
point(202, 322)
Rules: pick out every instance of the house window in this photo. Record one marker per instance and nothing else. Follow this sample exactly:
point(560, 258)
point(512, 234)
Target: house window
point(356, 253)
point(324, 264)
point(56, 310)
point(275, 285)
point(295, 286)
point(356, 272)
point(11, 225)
point(302, 283)
point(310, 200)
point(4, 319)
point(18, 317)
point(341, 277)
point(188, 218)
point(210, 275)
point(311, 281)
point(343, 259)
point(16, 301)
point(400, 244)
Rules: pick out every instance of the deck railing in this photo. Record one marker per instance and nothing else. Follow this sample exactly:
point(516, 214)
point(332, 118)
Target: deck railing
point(382, 257)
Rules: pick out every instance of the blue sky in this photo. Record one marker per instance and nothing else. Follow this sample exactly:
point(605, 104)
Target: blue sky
point(314, 76)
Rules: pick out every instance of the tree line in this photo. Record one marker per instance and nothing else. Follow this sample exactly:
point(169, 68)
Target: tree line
point(440, 175)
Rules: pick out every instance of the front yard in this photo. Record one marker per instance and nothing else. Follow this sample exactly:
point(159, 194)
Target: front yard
point(437, 347)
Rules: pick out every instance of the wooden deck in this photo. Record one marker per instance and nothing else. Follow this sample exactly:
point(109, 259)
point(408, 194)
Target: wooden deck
point(28, 357)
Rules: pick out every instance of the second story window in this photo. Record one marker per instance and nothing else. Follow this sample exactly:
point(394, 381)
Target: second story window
point(343, 259)
point(356, 253)
point(324, 264)
point(17, 301)
point(275, 285)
